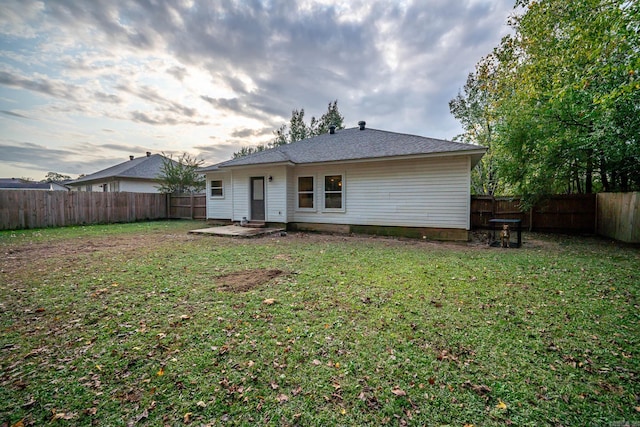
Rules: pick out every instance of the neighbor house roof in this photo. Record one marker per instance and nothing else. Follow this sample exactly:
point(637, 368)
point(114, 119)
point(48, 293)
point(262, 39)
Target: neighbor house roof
point(353, 144)
point(146, 167)
point(21, 184)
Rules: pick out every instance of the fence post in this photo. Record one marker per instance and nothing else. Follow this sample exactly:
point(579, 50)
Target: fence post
point(191, 205)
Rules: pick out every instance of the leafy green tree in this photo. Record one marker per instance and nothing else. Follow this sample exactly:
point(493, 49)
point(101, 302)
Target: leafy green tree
point(181, 176)
point(564, 95)
point(55, 177)
point(332, 117)
point(474, 109)
point(298, 130)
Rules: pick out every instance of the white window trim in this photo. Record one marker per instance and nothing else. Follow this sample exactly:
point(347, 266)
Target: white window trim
point(343, 192)
point(211, 187)
point(314, 192)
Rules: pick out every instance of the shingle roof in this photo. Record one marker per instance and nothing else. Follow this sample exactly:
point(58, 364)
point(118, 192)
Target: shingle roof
point(20, 183)
point(146, 167)
point(350, 145)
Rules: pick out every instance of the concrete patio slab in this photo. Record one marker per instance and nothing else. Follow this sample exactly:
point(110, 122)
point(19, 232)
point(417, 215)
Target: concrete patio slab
point(237, 231)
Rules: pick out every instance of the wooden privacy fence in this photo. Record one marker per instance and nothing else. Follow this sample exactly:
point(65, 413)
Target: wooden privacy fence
point(573, 213)
point(618, 216)
point(188, 206)
point(37, 209)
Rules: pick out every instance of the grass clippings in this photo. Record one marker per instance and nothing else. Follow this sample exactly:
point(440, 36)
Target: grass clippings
point(144, 324)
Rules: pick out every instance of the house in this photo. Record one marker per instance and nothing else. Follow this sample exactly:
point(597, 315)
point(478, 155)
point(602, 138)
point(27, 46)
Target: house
point(21, 184)
point(352, 180)
point(137, 175)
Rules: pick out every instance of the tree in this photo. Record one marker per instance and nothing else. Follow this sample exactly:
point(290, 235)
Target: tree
point(474, 110)
point(55, 177)
point(331, 117)
point(299, 130)
point(181, 176)
point(565, 97)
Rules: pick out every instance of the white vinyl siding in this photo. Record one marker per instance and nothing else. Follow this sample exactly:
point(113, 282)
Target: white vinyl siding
point(120, 186)
point(431, 192)
point(219, 207)
point(235, 204)
point(411, 193)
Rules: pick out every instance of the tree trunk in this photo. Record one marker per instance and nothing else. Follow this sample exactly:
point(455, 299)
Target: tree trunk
point(603, 175)
point(588, 185)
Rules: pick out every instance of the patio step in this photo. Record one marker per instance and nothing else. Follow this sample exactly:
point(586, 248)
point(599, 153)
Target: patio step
point(255, 224)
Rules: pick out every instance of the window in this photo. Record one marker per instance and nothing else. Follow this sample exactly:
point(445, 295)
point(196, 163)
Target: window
point(88, 188)
point(216, 188)
point(305, 192)
point(333, 192)
point(114, 187)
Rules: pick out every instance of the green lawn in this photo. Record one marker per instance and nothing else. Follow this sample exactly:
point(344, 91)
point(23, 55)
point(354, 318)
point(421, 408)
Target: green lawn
point(144, 324)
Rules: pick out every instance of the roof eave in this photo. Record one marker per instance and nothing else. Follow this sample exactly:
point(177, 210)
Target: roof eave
point(111, 179)
point(223, 168)
point(477, 153)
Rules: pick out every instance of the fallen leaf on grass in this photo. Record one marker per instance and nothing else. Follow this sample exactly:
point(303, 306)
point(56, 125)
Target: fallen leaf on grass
point(481, 389)
point(316, 362)
point(282, 398)
point(62, 415)
point(201, 404)
point(19, 423)
point(269, 301)
point(160, 372)
point(185, 317)
point(91, 411)
point(187, 417)
point(138, 418)
point(398, 391)
point(501, 405)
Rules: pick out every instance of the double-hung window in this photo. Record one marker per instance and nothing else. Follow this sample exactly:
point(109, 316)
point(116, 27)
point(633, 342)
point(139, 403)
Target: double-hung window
point(305, 192)
point(333, 192)
point(217, 190)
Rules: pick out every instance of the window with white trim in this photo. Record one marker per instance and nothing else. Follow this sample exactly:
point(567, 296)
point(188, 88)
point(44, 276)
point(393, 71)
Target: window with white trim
point(305, 192)
point(333, 194)
point(217, 190)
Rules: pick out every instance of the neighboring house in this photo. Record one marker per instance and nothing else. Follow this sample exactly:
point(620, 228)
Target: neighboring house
point(352, 180)
point(138, 175)
point(21, 184)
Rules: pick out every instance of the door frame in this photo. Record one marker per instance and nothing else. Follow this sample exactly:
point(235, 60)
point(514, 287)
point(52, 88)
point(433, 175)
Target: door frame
point(252, 215)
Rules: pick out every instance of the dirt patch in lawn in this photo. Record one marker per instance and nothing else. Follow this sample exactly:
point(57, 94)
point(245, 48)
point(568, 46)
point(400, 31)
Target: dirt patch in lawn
point(243, 281)
point(16, 257)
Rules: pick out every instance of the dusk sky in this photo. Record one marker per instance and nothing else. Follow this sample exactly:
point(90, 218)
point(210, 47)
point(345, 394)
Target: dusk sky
point(85, 84)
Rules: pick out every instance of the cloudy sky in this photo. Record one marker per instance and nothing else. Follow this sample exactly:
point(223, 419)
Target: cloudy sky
point(84, 84)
